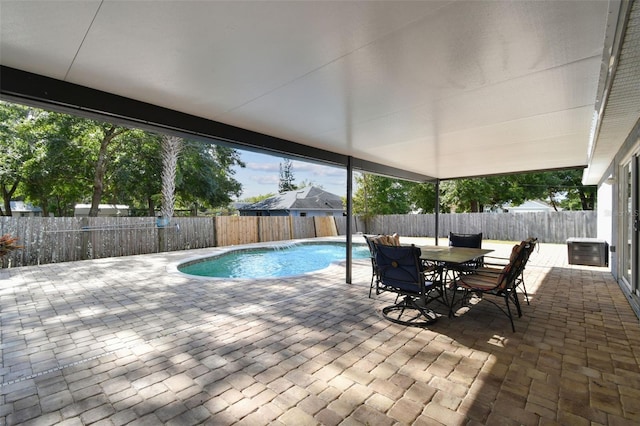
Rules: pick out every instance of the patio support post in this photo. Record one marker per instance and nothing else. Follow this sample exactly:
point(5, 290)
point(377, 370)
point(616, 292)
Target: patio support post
point(437, 210)
point(349, 217)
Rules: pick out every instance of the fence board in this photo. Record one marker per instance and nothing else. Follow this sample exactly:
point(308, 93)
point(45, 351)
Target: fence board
point(303, 227)
point(325, 226)
point(550, 227)
point(234, 230)
point(274, 228)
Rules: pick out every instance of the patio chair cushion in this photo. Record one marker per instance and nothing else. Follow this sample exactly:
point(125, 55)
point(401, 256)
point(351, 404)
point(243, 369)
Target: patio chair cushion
point(387, 240)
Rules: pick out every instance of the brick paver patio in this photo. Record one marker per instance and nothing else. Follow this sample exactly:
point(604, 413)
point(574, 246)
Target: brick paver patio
point(128, 341)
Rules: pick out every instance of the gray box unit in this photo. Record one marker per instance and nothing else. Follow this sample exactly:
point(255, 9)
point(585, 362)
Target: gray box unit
point(588, 251)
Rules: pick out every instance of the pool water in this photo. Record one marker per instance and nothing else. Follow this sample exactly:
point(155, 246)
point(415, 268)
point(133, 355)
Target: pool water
point(273, 262)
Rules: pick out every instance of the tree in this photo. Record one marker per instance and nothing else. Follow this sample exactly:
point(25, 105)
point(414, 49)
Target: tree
point(422, 196)
point(473, 195)
point(286, 177)
point(107, 134)
point(205, 175)
point(171, 147)
point(17, 147)
point(58, 155)
point(379, 195)
point(136, 176)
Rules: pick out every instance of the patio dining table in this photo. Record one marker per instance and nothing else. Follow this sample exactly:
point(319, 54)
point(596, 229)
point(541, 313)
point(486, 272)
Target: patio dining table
point(451, 255)
point(445, 259)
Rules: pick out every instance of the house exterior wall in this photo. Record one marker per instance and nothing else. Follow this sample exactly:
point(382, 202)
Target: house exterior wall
point(605, 209)
point(610, 200)
point(312, 213)
point(104, 210)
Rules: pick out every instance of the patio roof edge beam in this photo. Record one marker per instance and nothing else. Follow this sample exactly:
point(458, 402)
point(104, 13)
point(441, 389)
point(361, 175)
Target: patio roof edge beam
point(381, 169)
point(556, 169)
point(46, 92)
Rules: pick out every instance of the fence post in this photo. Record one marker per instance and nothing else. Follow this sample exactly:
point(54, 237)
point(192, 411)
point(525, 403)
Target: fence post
point(214, 220)
point(84, 232)
point(162, 234)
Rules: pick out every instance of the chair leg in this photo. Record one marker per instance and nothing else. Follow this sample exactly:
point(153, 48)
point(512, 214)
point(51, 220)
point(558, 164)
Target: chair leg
point(424, 316)
point(509, 314)
point(371, 286)
point(516, 302)
point(524, 290)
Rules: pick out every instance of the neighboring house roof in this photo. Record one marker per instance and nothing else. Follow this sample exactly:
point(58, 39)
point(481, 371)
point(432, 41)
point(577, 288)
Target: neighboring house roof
point(308, 198)
point(238, 205)
point(532, 206)
point(22, 207)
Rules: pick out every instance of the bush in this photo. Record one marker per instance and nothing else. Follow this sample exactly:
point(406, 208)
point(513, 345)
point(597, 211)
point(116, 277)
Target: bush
point(8, 244)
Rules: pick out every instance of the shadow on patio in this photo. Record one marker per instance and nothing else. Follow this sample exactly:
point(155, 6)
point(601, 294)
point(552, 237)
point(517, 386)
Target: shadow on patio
point(121, 340)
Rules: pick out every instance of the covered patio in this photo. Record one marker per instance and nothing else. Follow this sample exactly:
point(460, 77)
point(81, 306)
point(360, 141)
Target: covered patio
point(122, 340)
point(424, 91)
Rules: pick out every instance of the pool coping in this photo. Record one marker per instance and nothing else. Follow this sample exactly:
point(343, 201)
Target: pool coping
point(172, 267)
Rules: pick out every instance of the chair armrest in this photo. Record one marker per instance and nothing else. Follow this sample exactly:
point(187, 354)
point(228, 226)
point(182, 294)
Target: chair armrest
point(497, 258)
point(489, 271)
point(495, 264)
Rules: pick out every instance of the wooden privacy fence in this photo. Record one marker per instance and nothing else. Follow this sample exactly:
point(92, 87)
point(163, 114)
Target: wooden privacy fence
point(548, 227)
point(64, 239)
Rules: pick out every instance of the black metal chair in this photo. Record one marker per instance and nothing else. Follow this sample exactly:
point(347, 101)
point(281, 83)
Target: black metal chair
point(492, 263)
point(400, 271)
point(500, 282)
point(469, 241)
point(374, 266)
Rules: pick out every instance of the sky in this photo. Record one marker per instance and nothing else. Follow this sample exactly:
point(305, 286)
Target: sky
point(262, 174)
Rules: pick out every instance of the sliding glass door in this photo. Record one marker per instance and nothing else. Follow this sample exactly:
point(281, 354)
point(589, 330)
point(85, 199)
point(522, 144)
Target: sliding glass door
point(629, 235)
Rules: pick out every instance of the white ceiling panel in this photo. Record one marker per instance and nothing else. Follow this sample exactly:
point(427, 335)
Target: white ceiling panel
point(221, 55)
point(44, 37)
point(446, 89)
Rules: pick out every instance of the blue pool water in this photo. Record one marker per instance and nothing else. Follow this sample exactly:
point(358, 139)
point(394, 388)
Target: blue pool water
point(272, 262)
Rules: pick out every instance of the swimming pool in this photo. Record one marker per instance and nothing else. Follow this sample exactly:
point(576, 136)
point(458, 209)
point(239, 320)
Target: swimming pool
point(272, 262)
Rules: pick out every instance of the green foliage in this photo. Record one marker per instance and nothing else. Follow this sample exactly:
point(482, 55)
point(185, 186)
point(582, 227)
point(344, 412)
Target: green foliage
point(422, 196)
point(257, 198)
point(286, 177)
point(379, 195)
point(205, 175)
point(55, 161)
point(136, 172)
point(472, 195)
point(18, 145)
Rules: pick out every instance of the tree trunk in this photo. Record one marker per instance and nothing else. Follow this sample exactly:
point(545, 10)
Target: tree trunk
point(553, 201)
point(6, 196)
point(101, 168)
point(152, 207)
point(44, 206)
point(171, 147)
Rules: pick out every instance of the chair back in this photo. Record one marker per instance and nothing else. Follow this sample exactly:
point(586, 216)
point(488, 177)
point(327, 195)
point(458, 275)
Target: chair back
point(372, 253)
point(465, 240)
point(515, 267)
point(399, 268)
point(371, 245)
point(531, 245)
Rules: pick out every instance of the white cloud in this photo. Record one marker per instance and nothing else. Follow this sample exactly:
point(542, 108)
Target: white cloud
point(263, 167)
point(265, 180)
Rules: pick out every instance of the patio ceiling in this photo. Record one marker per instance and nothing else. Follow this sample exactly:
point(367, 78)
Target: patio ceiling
point(438, 88)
